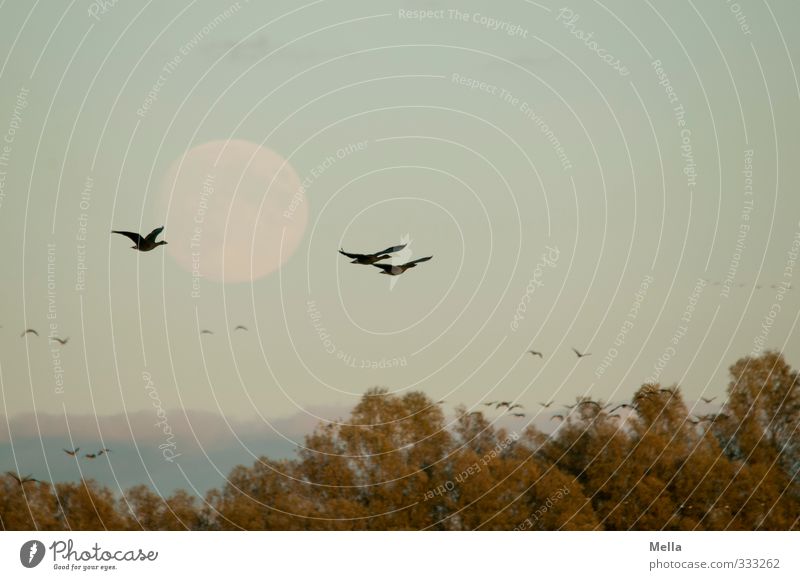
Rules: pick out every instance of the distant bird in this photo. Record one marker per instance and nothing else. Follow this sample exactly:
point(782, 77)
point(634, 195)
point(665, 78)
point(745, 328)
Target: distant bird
point(368, 259)
point(705, 400)
point(515, 406)
point(73, 452)
point(61, 341)
point(547, 404)
point(396, 270)
point(22, 480)
point(206, 331)
point(28, 331)
point(623, 406)
point(518, 414)
point(104, 450)
point(502, 404)
point(559, 417)
point(580, 354)
point(240, 327)
point(595, 403)
point(90, 455)
point(536, 353)
point(490, 403)
point(143, 244)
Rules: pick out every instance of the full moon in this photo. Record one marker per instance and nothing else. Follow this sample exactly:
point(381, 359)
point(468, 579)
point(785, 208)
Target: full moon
point(235, 211)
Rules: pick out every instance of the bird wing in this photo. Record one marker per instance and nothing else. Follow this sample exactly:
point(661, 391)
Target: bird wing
point(240, 327)
point(575, 350)
point(29, 331)
point(349, 255)
point(136, 238)
point(417, 261)
point(14, 475)
point(384, 267)
point(391, 250)
point(151, 237)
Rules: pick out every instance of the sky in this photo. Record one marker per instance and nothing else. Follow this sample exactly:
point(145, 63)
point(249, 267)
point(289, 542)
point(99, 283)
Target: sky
point(612, 177)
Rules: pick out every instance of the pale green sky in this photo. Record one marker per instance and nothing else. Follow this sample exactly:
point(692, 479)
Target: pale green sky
point(468, 174)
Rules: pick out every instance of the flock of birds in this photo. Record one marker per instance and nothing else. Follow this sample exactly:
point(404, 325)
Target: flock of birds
point(388, 269)
point(23, 479)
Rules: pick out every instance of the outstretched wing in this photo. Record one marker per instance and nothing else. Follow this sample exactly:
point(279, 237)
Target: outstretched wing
point(151, 237)
point(352, 256)
point(136, 238)
point(384, 267)
point(391, 250)
point(417, 261)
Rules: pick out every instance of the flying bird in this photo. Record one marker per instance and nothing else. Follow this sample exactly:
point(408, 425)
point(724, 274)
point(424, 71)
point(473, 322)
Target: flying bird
point(514, 406)
point(559, 417)
point(90, 455)
point(547, 404)
point(22, 479)
point(580, 354)
point(206, 331)
point(490, 403)
point(28, 331)
point(143, 244)
point(61, 341)
point(368, 259)
point(396, 270)
point(502, 404)
point(705, 400)
point(518, 414)
point(623, 406)
point(104, 450)
point(536, 353)
point(240, 327)
point(73, 452)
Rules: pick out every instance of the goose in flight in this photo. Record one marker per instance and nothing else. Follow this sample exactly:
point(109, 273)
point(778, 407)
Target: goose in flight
point(623, 406)
point(368, 259)
point(536, 353)
point(515, 406)
point(61, 341)
point(705, 400)
point(143, 244)
point(502, 404)
point(90, 455)
point(559, 417)
point(72, 453)
point(396, 270)
point(547, 404)
point(580, 354)
point(206, 331)
point(490, 403)
point(22, 480)
point(240, 327)
point(103, 450)
point(518, 414)
point(28, 331)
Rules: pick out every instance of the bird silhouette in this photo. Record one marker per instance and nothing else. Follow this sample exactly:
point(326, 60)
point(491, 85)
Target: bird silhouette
point(206, 331)
point(623, 406)
point(490, 403)
point(536, 353)
point(515, 406)
point(559, 417)
point(502, 404)
point(580, 354)
point(22, 480)
point(368, 259)
point(28, 331)
point(73, 452)
point(90, 455)
point(240, 327)
point(547, 404)
point(397, 269)
point(705, 400)
point(103, 450)
point(143, 244)
point(518, 414)
point(61, 341)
